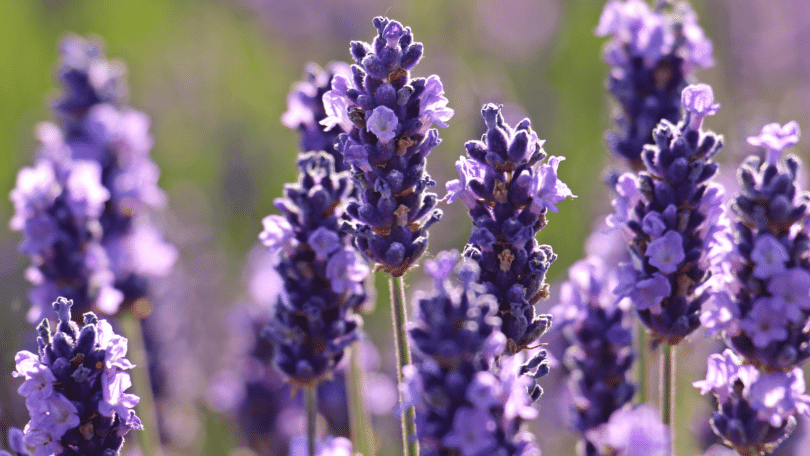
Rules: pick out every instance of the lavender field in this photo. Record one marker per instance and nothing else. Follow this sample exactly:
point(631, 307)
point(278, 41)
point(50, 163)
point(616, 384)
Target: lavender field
point(589, 221)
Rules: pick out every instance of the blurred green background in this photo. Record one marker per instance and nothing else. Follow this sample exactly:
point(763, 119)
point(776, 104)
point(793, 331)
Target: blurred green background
point(214, 75)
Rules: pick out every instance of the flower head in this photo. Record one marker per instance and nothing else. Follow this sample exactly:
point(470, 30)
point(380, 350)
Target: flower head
point(776, 138)
point(75, 387)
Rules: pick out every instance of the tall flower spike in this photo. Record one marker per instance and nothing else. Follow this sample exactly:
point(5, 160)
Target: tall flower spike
point(601, 346)
point(83, 208)
point(755, 411)
point(387, 116)
point(313, 321)
point(761, 304)
point(672, 215)
point(75, 387)
point(305, 110)
point(508, 190)
point(652, 55)
point(465, 404)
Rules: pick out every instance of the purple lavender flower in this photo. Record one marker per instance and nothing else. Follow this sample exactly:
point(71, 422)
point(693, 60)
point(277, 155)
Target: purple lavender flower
point(464, 402)
point(634, 431)
point(75, 387)
point(313, 320)
point(653, 55)
point(387, 116)
point(671, 215)
point(776, 138)
point(83, 207)
point(15, 443)
point(508, 191)
point(600, 352)
point(755, 411)
point(305, 110)
point(765, 273)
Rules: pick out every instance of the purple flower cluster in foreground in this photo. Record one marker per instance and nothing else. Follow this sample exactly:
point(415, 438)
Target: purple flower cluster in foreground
point(466, 403)
point(82, 206)
point(761, 306)
point(600, 354)
point(75, 387)
point(387, 116)
point(652, 55)
point(755, 410)
point(314, 321)
point(672, 215)
point(508, 189)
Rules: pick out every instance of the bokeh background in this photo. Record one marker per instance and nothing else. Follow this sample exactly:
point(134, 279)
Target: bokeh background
point(213, 75)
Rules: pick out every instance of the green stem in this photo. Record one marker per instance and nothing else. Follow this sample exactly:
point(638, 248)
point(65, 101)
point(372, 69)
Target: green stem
point(312, 413)
point(642, 363)
point(360, 427)
point(667, 390)
point(399, 317)
point(149, 438)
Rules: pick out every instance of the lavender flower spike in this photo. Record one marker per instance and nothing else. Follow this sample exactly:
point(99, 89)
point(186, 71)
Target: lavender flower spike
point(760, 302)
point(755, 411)
point(672, 216)
point(83, 208)
point(508, 190)
point(75, 387)
point(465, 404)
point(313, 320)
point(652, 54)
point(601, 346)
point(305, 110)
point(387, 116)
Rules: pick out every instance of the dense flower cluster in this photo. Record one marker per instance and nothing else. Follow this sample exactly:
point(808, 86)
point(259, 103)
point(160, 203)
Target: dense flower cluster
point(313, 321)
point(465, 403)
point(601, 345)
point(672, 215)
point(508, 189)
point(75, 387)
point(388, 116)
point(81, 208)
point(762, 306)
point(305, 110)
point(652, 55)
point(755, 411)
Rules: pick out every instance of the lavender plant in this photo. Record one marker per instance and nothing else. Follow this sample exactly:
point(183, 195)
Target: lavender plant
point(323, 274)
point(508, 190)
point(82, 207)
point(75, 387)
point(387, 116)
point(671, 213)
point(760, 305)
point(466, 403)
point(755, 411)
point(652, 54)
point(600, 353)
point(306, 111)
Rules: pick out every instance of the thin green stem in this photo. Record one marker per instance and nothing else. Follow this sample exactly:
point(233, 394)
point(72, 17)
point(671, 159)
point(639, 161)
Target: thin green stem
point(149, 438)
point(643, 371)
point(399, 318)
point(668, 390)
point(312, 413)
point(360, 426)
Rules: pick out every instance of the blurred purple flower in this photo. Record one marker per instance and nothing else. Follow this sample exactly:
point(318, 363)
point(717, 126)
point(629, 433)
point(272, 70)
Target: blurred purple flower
point(776, 138)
